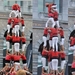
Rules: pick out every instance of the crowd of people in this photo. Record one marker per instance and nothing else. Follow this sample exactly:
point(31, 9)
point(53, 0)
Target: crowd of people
point(52, 54)
point(15, 38)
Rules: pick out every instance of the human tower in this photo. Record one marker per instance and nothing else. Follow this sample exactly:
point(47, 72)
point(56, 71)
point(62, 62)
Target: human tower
point(52, 55)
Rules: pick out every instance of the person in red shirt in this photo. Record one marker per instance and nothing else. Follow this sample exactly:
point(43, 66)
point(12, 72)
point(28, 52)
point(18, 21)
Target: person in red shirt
point(55, 56)
point(61, 33)
point(16, 22)
point(23, 39)
point(15, 10)
point(16, 40)
point(45, 33)
point(50, 15)
point(22, 24)
point(24, 60)
point(16, 59)
point(55, 16)
point(54, 32)
point(63, 61)
point(44, 56)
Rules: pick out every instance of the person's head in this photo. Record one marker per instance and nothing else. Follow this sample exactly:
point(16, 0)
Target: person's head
point(61, 27)
point(21, 72)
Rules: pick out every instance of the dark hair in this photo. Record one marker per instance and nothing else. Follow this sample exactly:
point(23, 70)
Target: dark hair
point(61, 27)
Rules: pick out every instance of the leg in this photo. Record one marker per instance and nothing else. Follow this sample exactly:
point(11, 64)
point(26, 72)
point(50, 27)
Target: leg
point(57, 22)
point(44, 40)
point(56, 43)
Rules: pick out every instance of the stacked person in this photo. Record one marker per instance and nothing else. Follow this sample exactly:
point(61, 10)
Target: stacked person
point(52, 14)
point(53, 54)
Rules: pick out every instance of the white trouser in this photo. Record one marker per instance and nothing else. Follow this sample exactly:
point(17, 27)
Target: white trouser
point(62, 41)
point(57, 23)
point(13, 12)
point(52, 20)
point(43, 62)
point(49, 66)
point(25, 65)
point(18, 13)
point(44, 40)
point(55, 64)
point(55, 43)
point(23, 28)
point(16, 47)
point(7, 45)
point(17, 29)
point(72, 47)
point(50, 43)
point(62, 64)
point(8, 28)
point(17, 65)
point(23, 47)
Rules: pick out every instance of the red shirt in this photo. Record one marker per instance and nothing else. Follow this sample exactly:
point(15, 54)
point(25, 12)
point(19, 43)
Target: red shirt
point(44, 53)
point(55, 15)
point(16, 57)
point(9, 21)
point(23, 57)
point(54, 32)
point(16, 39)
point(73, 65)
point(8, 57)
point(62, 55)
point(45, 31)
point(61, 32)
point(23, 39)
point(55, 54)
point(8, 38)
point(49, 55)
point(16, 21)
point(22, 22)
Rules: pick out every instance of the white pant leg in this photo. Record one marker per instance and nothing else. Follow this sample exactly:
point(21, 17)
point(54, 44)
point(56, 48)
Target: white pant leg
point(13, 11)
point(16, 47)
point(62, 41)
point(48, 66)
point(8, 45)
point(43, 62)
point(57, 23)
point(63, 64)
point(17, 29)
point(55, 64)
point(8, 28)
point(53, 42)
point(56, 43)
point(50, 43)
point(23, 47)
point(18, 13)
point(17, 65)
point(23, 28)
point(44, 40)
point(74, 53)
point(52, 20)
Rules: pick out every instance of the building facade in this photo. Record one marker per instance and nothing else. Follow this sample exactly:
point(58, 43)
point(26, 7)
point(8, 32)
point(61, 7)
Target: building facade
point(26, 5)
